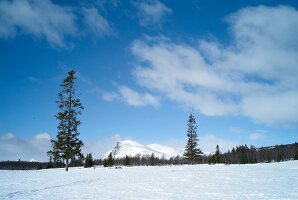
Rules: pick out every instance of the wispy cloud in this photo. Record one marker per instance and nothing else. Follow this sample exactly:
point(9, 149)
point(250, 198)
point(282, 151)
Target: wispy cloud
point(253, 76)
point(136, 99)
point(28, 17)
point(151, 12)
point(49, 21)
point(96, 23)
point(236, 130)
point(8, 136)
point(132, 97)
point(110, 96)
point(257, 135)
point(34, 79)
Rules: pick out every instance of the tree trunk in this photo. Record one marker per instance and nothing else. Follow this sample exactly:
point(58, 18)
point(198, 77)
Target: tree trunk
point(66, 168)
point(68, 131)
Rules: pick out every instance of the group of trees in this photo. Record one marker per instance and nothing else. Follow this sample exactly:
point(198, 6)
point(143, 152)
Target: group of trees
point(148, 160)
point(238, 155)
point(192, 154)
point(66, 148)
point(243, 154)
point(109, 162)
point(23, 165)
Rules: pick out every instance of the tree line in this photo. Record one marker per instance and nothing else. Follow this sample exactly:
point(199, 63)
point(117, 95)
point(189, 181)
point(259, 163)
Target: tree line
point(23, 165)
point(238, 155)
point(138, 160)
point(66, 149)
point(243, 154)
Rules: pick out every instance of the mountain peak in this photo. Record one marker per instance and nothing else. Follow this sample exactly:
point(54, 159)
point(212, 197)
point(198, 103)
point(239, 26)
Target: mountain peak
point(132, 148)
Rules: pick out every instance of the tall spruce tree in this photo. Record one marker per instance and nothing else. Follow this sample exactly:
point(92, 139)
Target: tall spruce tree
point(67, 145)
point(110, 161)
point(192, 152)
point(88, 160)
point(217, 155)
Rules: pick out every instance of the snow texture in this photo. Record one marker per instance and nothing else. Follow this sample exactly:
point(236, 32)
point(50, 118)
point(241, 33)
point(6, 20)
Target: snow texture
point(251, 181)
point(132, 148)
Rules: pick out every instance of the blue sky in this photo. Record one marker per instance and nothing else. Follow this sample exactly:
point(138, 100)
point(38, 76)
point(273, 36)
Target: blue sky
point(144, 66)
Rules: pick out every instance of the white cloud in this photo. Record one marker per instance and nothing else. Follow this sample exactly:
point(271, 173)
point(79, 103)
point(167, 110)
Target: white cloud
point(254, 76)
point(131, 97)
point(110, 96)
point(151, 12)
point(180, 72)
point(96, 23)
point(208, 143)
point(274, 108)
point(135, 99)
point(13, 147)
point(43, 136)
point(252, 135)
point(258, 135)
point(49, 21)
point(42, 19)
point(8, 136)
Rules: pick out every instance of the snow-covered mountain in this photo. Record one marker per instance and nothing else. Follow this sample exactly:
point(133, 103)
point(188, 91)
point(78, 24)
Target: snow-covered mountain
point(132, 148)
point(164, 149)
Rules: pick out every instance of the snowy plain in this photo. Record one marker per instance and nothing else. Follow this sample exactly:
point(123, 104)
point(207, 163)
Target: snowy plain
point(251, 181)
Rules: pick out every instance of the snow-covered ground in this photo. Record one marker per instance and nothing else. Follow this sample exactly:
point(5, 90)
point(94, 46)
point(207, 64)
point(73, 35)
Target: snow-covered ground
point(254, 181)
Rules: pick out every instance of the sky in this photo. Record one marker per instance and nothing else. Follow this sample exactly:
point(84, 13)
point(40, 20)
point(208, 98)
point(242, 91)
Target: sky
point(143, 67)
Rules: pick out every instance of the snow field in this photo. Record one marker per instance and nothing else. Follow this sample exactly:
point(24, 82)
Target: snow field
point(252, 181)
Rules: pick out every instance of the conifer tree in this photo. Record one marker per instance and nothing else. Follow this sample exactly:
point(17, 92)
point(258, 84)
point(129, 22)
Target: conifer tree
point(110, 161)
point(67, 145)
point(152, 159)
point(88, 160)
point(105, 163)
point(126, 161)
point(192, 152)
point(217, 155)
point(54, 154)
point(211, 159)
